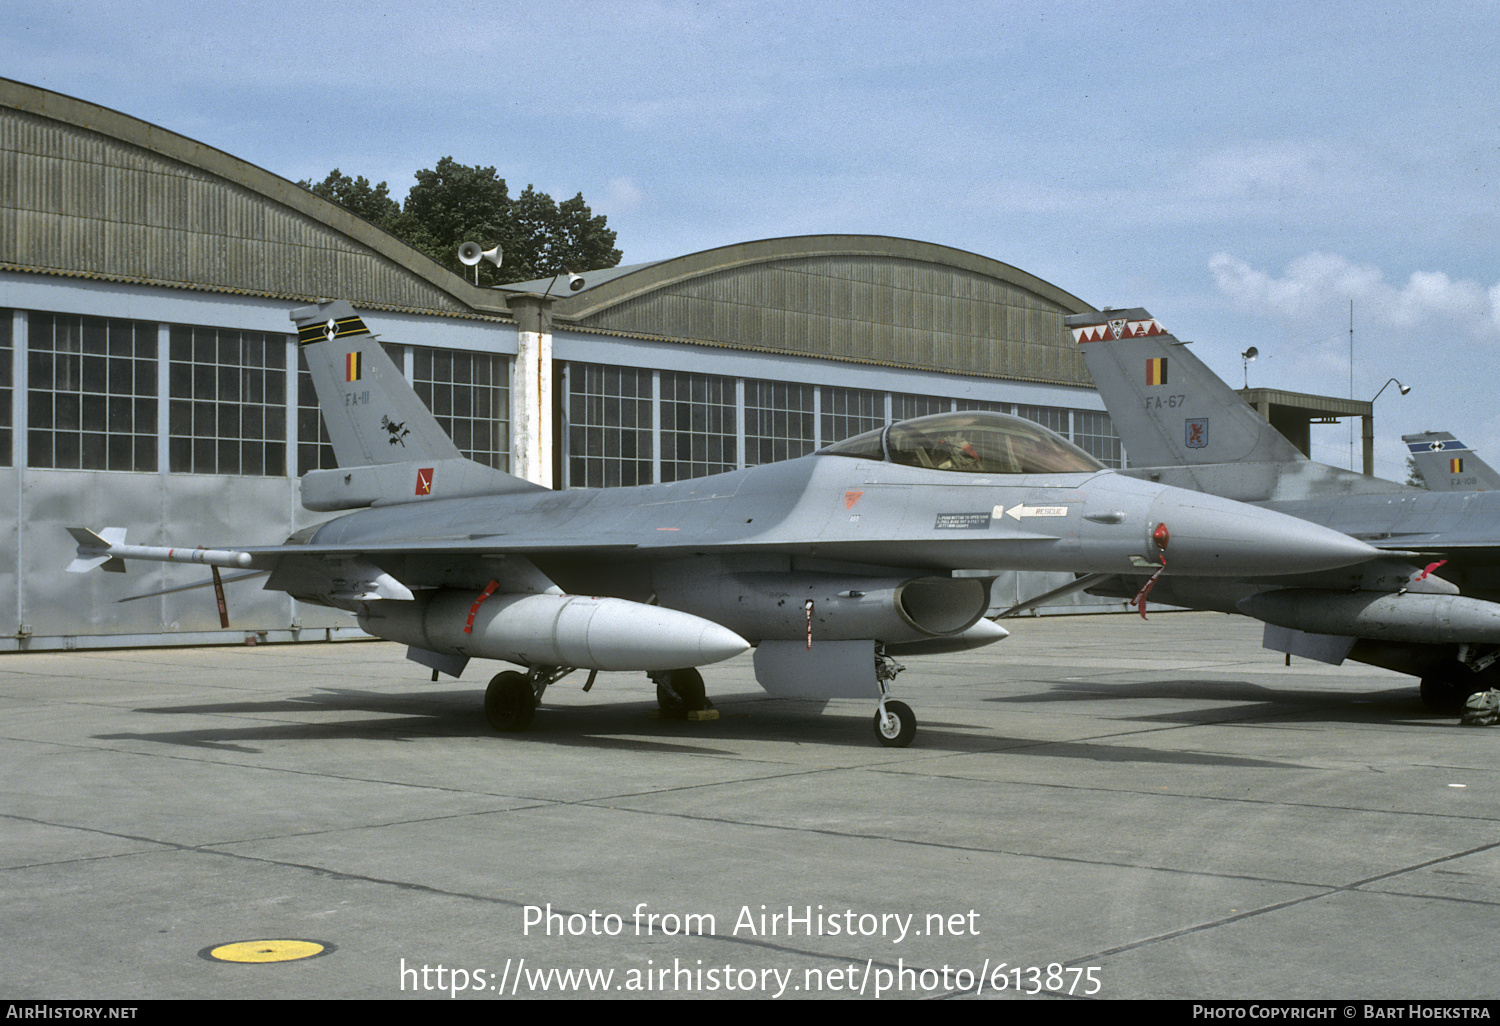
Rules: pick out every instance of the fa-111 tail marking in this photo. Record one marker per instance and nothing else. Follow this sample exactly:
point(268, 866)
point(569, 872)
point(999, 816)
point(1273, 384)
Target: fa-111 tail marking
point(665, 578)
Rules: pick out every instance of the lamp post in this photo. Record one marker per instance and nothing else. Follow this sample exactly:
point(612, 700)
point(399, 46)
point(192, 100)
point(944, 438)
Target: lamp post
point(1369, 425)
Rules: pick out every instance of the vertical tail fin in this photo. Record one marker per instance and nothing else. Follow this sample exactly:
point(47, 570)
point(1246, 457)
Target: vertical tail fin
point(1448, 465)
point(373, 416)
point(389, 447)
point(1168, 408)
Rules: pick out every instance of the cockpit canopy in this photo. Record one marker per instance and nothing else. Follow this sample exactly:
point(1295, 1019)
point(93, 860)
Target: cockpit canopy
point(970, 442)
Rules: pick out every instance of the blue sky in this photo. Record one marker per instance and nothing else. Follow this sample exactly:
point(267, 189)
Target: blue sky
point(1242, 170)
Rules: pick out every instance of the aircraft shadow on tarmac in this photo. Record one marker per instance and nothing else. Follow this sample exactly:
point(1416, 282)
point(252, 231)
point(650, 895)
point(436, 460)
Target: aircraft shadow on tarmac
point(623, 727)
point(1251, 701)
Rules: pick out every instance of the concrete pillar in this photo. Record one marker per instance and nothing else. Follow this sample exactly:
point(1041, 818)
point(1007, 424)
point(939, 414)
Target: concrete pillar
point(531, 391)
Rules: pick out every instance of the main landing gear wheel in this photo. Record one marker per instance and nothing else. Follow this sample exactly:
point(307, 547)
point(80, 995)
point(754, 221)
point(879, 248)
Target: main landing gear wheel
point(1443, 694)
point(897, 727)
point(509, 702)
point(685, 695)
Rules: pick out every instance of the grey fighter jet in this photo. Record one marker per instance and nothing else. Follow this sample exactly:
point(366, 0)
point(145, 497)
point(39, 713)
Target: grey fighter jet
point(1448, 465)
point(832, 565)
point(1429, 606)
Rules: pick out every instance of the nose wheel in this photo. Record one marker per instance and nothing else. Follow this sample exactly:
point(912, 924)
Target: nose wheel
point(895, 725)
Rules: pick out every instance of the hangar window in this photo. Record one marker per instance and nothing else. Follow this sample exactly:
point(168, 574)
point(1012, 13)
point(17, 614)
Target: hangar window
point(91, 393)
point(1095, 434)
point(228, 402)
point(609, 426)
point(778, 421)
point(697, 425)
point(1052, 418)
point(469, 394)
point(905, 407)
point(314, 447)
point(850, 411)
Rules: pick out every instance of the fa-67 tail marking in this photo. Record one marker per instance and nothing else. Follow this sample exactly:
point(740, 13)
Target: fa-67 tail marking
point(1429, 607)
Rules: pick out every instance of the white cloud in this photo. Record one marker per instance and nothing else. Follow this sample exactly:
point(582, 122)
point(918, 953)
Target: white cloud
point(1315, 287)
point(620, 195)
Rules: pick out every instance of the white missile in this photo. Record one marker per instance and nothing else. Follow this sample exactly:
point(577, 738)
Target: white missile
point(107, 548)
point(554, 630)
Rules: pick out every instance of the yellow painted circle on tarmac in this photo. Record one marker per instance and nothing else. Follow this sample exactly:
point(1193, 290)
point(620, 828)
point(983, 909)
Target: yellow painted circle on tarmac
point(266, 951)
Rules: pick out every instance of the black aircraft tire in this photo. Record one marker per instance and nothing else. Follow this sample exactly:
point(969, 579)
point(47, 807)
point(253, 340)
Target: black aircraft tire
point(509, 702)
point(691, 695)
point(1443, 694)
point(901, 732)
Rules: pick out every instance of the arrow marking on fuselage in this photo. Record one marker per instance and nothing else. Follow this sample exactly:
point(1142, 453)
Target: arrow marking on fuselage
point(1024, 510)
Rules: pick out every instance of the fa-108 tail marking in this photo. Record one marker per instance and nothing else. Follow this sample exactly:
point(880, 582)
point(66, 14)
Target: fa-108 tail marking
point(1448, 465)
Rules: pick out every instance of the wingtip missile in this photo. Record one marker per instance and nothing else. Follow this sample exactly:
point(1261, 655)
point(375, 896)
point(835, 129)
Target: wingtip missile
point(107, 548)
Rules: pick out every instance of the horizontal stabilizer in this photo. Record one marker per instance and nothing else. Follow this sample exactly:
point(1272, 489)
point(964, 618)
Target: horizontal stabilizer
point(393, 483)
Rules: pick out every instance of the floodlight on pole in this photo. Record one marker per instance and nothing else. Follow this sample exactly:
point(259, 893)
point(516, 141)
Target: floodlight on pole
point(575, 282)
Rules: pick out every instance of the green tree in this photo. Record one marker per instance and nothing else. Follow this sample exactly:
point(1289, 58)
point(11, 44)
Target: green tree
point(559, 237)
point(453, 203)
point(1413, 475)
point(358, 196)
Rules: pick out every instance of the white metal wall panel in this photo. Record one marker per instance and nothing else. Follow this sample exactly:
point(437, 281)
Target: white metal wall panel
point(156, 509)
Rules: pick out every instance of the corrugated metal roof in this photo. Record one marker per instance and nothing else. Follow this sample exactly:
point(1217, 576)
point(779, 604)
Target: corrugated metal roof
point(867, 299)
point(86, 191)
point(90, 192)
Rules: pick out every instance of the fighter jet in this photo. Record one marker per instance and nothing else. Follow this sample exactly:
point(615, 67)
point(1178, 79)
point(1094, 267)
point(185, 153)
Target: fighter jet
point(1448, 465)
point(1429, 606)
point(833, 565)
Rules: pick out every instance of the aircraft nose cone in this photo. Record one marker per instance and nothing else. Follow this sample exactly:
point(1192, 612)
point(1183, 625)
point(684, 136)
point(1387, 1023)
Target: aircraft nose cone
point(1214, 536)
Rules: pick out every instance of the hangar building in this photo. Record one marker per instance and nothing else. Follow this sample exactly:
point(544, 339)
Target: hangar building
point(149, 375)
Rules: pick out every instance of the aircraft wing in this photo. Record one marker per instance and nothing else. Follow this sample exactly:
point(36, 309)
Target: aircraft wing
point(108, 546)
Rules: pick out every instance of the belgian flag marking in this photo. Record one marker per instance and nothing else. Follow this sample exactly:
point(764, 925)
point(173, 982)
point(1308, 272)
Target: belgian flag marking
point(351, 367)
point(1455, 466)
point(1156, 371)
